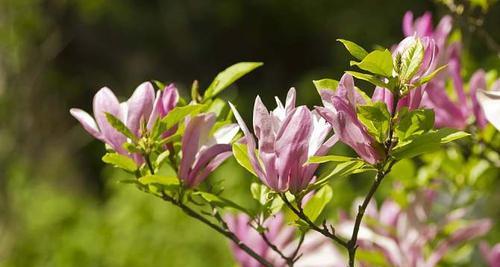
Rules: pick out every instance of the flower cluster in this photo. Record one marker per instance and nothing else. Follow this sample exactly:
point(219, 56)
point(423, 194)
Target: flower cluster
point(172, 145)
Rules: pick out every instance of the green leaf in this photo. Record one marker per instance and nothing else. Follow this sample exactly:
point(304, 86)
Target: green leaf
point(120, 126)
point(329, 84)
point(354, 49)
point(175, 116)
point(411, 59)
point(377, 62)
point(329, 158)
point(369, 78)
point(229, 76)
point(425, 143)
point(120, 161)
point(431, 76)
point(240, 153)
point(414, 122)
point(219, 201)
point(160, 180)
point(317, 203)
point(377, 119)
point(342, 169)
point(266, 198)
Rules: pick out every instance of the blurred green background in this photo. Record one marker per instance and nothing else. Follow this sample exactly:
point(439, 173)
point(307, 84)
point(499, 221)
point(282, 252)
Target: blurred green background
point(59, 204)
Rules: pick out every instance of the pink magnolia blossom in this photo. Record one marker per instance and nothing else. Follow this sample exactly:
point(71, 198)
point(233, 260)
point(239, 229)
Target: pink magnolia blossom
point(339, 109)
point(449, 113)
point(491, 254)
point(490, 103)
point(287, 137)
point(140, 110)
point(413, 98)
point(202, 150)
point(316, 250)
point(422, 27)
point(404, 236)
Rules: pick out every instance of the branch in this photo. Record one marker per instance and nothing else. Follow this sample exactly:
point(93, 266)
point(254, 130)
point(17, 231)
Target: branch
point(222, 230)
point(289, 260)
point(351, 245)
point(324, 231)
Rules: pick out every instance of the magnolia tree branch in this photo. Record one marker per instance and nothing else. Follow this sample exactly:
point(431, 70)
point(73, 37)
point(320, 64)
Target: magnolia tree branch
point(289, 260)
point(330, 233)
point(222, 230)
point(351, 245)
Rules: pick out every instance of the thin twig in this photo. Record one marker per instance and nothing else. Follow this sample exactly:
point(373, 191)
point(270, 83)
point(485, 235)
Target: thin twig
point(230, 235)
point(289, 260)
point(324, 231)
point(352, 244)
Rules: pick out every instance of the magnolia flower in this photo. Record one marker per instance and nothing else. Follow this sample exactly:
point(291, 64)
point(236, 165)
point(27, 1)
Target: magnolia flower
point(139, 112)
point(404, 236)
point(468, 107)
point(286, 137)
point(491, 254)
point(316, 250)
point(203, 149)
point(422, 27)
point(340, 111)
point(490, 103)
point(412, 98)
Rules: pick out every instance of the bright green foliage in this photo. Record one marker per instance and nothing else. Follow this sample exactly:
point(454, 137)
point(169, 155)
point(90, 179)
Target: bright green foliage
point(377, 119)
point(329, 84)
point(411, 59)
point(318, 202)
point(120, 126)
point(120, 161)
point(229, 76)
point(240, 153)
point(425, 143)
point(269, 202)
point(414, 122)
point(378, 62)
point(354, 49)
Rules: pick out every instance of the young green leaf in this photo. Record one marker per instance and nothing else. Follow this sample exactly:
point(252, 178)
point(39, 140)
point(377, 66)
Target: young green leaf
point(425, 143)
point(329, 84)
point(318, 202)
point(175, 116)
point(229, 76)
point(354, 49)
point(328, 158)
point(431, 76)
point(219, 201)
point(369, 78)
point(159, 180)
point(414, 122)
point(240, 153)
point(120, 126)
point(411, 59)
point(377, 119)
point(377, 62)
point(120, 161)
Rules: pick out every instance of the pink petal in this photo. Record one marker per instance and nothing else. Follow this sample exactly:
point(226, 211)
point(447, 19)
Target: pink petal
point(292, 146)
point(250, 141)
point(87, 122)
point(408, 29)
point(477, 83)
point(383, 95)
point(140, 105)
point(490, 103)
point(201, 161)
point(290, 100)
point(197, 129)
point(106, 102)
